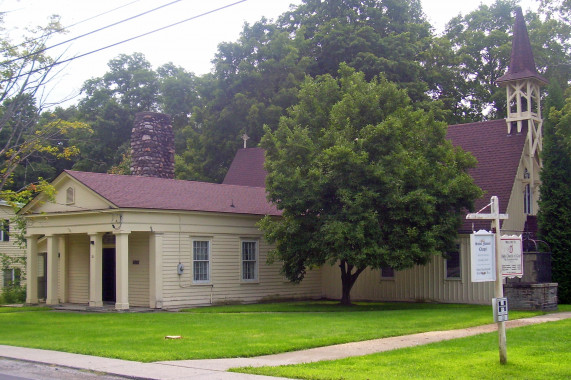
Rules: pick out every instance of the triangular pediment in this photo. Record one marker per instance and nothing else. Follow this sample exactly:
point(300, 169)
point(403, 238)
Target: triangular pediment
point(70, 196)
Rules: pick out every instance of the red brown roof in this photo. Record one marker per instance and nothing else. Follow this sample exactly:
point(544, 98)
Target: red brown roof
point(124, 191)
point(247, 168)
point(522, 64)
point(498, 156)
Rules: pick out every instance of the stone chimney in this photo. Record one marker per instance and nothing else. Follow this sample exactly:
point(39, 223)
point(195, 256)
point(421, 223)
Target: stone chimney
point(152, 145)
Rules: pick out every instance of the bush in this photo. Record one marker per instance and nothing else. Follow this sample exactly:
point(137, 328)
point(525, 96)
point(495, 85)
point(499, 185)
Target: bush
point(13, 294)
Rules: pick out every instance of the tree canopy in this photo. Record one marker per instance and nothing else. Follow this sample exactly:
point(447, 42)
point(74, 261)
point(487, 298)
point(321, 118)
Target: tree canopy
point(363, 179)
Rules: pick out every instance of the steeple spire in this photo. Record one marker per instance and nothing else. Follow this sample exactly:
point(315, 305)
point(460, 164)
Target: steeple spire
point(522, 64)
point(522, 83)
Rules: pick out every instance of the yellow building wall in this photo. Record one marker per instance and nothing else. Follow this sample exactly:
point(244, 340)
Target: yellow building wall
point(425, 283)
point(11, 248)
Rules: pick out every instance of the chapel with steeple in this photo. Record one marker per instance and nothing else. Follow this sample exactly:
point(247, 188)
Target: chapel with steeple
point(148, 240)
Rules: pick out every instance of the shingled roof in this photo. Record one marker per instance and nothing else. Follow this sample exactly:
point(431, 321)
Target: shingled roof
point(125, 191)
point(522, 64)
point(247, 169)
point(498, 156)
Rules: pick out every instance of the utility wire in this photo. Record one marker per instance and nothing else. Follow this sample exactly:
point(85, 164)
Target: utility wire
point(89, 33)
point(122, 42)
point(71, 26)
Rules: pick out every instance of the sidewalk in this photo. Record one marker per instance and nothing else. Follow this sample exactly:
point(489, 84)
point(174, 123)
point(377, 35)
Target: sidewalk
point(216, 368)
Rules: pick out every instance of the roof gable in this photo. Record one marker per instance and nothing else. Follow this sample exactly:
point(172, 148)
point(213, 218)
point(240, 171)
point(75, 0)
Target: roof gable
point(498, 156)
point(247, 168)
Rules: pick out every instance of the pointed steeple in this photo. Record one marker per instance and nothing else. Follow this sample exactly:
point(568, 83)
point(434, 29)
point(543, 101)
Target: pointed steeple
point(522, 64)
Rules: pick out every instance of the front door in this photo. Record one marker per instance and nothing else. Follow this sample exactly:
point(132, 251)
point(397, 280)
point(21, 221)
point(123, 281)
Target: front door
point(108, 275)
point(42, 276)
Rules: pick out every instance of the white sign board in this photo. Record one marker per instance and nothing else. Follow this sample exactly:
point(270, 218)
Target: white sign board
point(511, 252)
point(482, 254)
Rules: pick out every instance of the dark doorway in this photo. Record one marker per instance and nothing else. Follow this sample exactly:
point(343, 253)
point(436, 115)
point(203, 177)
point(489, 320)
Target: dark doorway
point(42, 276)
point(108, 275)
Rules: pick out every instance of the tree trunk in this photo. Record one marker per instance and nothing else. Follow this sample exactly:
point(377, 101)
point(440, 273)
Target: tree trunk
point(348, 280)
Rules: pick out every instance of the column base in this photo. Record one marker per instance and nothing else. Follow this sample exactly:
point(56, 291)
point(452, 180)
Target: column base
point(52, 302)
point(95, 303)
point(122, 306)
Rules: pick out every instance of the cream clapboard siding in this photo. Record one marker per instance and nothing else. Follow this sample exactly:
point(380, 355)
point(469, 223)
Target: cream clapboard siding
point(419, 284)
point(78, 269)
point(139, 269)
point(225, 274)
point(515, 208)
point(10, 248)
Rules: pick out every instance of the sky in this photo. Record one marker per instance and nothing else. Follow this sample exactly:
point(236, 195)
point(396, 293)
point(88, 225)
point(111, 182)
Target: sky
point(191, 44)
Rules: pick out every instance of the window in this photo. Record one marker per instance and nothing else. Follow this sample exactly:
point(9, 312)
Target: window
point(453, 270)
point(249, 260)
point(70, 196)
point(387, 273)
point(5, 230)
point(11, 277)
point(527, 195)
point(201, 260)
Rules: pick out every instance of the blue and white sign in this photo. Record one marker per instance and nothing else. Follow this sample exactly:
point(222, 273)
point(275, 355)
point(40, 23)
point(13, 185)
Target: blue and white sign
point(482, 255)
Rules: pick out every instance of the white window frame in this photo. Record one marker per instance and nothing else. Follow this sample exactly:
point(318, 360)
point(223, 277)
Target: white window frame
point(70, 196)
point(5, 230)
point(459, 277)
point(208, 261)
point(527, 194)
point(255, 261)
point(10, 275)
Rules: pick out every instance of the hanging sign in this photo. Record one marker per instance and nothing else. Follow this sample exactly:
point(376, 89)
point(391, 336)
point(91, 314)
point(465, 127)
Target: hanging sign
point(512, 257)
point(482, 254)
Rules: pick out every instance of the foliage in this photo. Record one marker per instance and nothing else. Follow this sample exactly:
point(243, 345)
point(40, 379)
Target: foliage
point(554, 215)
point(481, 41)
point(140, 336)
point(534, 352)
point(24, 135)
point(362, 179)
point(13, 294)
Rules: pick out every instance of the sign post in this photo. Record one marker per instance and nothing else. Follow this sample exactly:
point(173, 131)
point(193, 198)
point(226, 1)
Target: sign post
point(498, 302)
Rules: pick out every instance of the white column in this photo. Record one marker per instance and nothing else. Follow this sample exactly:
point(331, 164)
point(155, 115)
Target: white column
point(156, 270)
point(63, 259)
point(52, 272)
point(32, 269)
point(122, 270)
point(96, 270)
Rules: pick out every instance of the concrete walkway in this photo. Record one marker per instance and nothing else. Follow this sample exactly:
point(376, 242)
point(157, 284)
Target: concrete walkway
point(216, 368)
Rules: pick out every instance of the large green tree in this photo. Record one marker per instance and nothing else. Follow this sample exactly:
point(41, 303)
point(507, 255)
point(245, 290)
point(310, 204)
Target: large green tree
point(554, 215)
point(256, 78)
point(363, 179)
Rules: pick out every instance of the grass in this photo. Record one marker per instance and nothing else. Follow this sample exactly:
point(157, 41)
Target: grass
point(534, 352)
point(230, 331)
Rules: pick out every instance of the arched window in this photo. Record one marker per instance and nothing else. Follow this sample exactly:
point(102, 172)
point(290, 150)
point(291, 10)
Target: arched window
point(70, 196)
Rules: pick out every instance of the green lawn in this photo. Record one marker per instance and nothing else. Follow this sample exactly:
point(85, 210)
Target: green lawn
point(534, 352)
point(230, 331)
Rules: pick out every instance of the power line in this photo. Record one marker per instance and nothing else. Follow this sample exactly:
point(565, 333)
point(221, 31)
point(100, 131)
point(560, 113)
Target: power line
point(89, 33)
point(72, 25)
point(124, 41)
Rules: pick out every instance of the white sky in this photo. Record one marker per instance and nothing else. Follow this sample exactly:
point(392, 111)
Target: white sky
point(191, 45)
